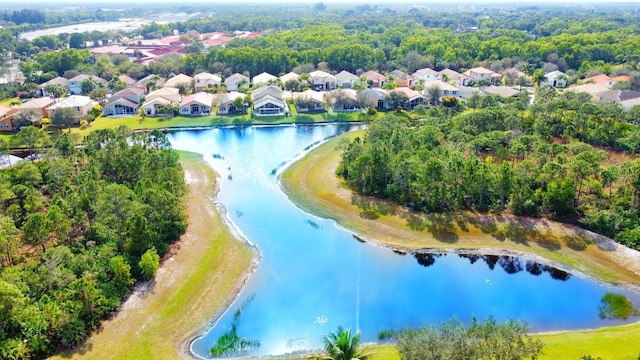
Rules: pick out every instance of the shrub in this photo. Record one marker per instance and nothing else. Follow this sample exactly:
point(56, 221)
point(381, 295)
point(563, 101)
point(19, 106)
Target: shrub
point(149, 264)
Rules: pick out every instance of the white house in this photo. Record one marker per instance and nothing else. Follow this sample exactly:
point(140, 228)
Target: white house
point(557, 79)
point(267, 101)
point(321, 80)
point(263, 79)
point(234, 81)
point(225, 103)
point(446, 89)
point(82, 104)
point(345, 79)
point(426, 74)
point(453, 77)
point(75, 83)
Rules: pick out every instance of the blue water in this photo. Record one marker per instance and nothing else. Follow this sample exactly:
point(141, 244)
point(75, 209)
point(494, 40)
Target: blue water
point(314, 276)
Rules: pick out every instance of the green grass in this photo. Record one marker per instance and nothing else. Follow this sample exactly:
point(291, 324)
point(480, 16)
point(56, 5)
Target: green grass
point(619, 343)
point(9, 102)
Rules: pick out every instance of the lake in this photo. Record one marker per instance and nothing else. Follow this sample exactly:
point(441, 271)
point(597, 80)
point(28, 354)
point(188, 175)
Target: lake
point(314, 276)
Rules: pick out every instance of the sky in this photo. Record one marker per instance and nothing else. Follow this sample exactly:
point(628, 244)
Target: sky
point(342, 2)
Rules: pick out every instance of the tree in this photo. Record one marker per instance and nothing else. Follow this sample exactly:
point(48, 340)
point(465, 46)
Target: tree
point(121, 272)
point(56, 90)
point(149, 264)
point(65, 117)
point(435, 93)
point(320, 6)
point(396, 99)
point(9, 238)
point(115, 202)
point(32, 137)
point(27, 117)
point(36, 229)
point(538, 77)
point(342, 345)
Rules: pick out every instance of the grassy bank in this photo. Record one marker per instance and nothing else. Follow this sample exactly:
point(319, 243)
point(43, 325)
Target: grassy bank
point(190, 288)
point(312, 184)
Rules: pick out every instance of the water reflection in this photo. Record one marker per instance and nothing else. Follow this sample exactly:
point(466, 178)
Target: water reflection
point(513, 265)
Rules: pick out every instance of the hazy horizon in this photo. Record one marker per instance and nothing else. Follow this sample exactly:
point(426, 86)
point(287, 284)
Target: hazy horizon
point(311, 2)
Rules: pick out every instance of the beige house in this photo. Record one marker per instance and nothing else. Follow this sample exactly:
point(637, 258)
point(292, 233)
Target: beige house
point(199, 103)
point(446, 89)
point(205, 80)
point(125, 102)
point(39, 104)
point(288, 77)
point(160, 98)
point(375, 79)
point(309, 100)
point(480, 73)
point(453, 77)
point(345, 79)
point(179, 80)
point(6, 118)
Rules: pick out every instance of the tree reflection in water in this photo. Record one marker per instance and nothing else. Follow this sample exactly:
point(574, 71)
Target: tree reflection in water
point(510, 264)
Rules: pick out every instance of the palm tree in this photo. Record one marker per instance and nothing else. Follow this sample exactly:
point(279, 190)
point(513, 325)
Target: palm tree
point(538, 77)
point(435, 93)
point(341, 345)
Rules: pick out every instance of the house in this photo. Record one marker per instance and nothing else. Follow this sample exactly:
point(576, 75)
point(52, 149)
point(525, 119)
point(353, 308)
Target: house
point(264, 79)
point(556, 78)
point(321, 80)
point(59, 80)
point(161, 98)
point(617, 96)
point(234, 81)
point(628, 104)
point(345, 79)
point(205, 80)
point(309, 100)
point(288, 77)
point(414, 98)
point(503, 91)
point(372, 97)
point(446, 89)
point(38, 104)
point(82, 104)
point(374, 78)
point(75, 83)
point(267, 101)
point(225, 103)
point(199, 103)
point(344, 100)
point(402, 79)
point(453, 77)
point(124, 102)
point(179, 80)
point(590, 88)
point(129, 81)
point(150, 83)
point(6, 118)
point(479, 74)
point(426, 74)
point(601, 79)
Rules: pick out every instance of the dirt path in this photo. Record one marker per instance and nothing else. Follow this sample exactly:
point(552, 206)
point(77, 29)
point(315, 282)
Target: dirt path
point(312, 184)
point(159, 319)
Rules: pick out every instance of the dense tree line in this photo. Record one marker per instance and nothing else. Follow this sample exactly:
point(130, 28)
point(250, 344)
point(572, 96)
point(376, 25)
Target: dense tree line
point(537, 161)
point(77, 230)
